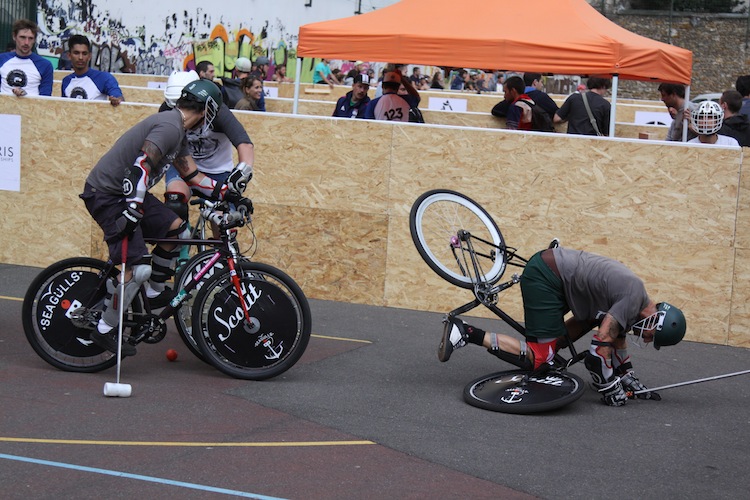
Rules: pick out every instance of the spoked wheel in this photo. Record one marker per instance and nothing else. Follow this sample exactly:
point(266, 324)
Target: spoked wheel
point(443, 224)
point(516, 392)
point(277, 335)
point(53, 320)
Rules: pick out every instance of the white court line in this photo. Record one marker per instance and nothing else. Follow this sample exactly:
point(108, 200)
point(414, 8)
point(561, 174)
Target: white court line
point(137, 477)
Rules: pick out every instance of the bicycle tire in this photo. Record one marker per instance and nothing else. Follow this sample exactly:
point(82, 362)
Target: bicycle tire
point(278, 334)
point(507, 392)
point(55, 292)
point(434, 222)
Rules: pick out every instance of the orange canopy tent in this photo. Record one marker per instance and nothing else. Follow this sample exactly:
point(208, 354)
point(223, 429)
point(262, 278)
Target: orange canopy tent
point(555, 36)
point(566, 37)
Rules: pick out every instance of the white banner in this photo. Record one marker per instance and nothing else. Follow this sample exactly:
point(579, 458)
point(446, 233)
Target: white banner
point(10, 152)
point(447, 104)
point(271, 92)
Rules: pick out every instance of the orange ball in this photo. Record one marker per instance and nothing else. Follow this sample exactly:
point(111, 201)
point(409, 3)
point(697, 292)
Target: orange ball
point(171, 354)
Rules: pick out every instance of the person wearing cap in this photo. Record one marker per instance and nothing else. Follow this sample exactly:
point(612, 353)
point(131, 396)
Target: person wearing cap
point(261, 68)
point(391, 106)
point(357, 69)
point(353, 104)
point(231, 88)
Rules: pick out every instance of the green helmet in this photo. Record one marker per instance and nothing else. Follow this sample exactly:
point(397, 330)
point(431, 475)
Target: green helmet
point(204, 91)
point(671, 328)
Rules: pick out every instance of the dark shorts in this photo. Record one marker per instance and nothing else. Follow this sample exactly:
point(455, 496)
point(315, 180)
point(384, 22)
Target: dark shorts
point(107, 208)
point(544, 304)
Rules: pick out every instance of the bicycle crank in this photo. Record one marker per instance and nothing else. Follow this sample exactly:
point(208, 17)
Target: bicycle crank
point(152, 329)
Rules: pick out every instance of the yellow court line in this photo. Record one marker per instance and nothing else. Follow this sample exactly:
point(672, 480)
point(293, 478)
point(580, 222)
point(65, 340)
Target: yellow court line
point(340, 338)
point(11, 298)
point(186, 444)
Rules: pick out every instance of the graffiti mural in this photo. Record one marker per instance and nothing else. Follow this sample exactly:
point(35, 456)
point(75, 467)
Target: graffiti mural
point(177, 41)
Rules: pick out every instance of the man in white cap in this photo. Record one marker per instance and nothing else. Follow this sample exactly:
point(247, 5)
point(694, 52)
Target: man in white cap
point(353, 104)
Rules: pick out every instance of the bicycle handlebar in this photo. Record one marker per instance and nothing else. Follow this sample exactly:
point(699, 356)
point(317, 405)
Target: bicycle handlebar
point(225, 220)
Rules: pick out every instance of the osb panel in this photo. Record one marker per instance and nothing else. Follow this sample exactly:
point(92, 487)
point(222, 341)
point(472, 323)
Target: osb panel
point(143, 95)
point(331, 254)
point(280, 106)
point(132, 79)
point(320, 163)
point(739, 325)
point(575, 185)
point(743, 203)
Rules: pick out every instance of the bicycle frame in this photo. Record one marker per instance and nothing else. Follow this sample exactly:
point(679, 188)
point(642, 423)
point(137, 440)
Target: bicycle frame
point(486, 294)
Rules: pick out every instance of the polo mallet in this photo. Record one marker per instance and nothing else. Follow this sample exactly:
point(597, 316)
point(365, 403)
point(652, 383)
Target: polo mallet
point(117, 389)
point(690, 382)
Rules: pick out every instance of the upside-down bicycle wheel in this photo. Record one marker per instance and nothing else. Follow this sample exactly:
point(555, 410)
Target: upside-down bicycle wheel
point(437, 221)
point(516, 391)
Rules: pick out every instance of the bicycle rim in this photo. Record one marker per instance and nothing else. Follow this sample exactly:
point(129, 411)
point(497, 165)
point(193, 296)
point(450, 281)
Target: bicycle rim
point(511, 392)
point(435, 221)
point(277, 335)
point(52, 296)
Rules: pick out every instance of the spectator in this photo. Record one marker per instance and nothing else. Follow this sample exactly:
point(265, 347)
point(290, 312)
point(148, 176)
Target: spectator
point(231, 88)
point(416, 76)
point(206, 70)
point(252, 88)
point(279, 75)
point(260, 68)
point(357, 69)
point(371, 74)
point(706, 119)
point(322, 73)
point(587, 120)
point(519, 111)
point(353, 104)
point(743, 87)
point(673, 97)
point(460, 80)
point(338, 76)
point(391, 106)
point(24, 72)
point(601, 293)
point(85, 82)
point(535, 90)
point(415, 115)
point(438, 81)
point(735, 123)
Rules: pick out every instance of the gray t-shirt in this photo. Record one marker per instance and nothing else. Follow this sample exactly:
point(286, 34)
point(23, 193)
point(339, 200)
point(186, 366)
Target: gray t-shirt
point(165, 130)
point(596, 285)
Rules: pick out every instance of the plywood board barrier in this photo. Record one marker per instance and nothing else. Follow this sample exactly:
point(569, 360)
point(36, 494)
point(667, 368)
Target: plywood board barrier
point(333, 199)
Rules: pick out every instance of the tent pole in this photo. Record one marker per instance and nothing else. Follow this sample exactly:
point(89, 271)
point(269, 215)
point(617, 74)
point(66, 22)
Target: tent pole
point(297, 75)
point(613, 111)
point(685, 121)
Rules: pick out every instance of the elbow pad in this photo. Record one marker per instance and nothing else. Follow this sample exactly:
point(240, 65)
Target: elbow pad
point(135, 184)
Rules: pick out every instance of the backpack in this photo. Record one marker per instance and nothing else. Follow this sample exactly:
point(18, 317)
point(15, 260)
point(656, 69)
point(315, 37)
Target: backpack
point(540, 120)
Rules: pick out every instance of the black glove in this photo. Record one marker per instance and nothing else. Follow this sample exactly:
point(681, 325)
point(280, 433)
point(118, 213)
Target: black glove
point(240, 176)
point(631, 384)
point(243, 204)
point(129, 220)
point(612, 392)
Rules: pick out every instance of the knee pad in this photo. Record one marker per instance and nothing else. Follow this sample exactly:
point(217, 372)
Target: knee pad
point(163, 262)
point(520, 360)
point(621, 361)
point(177, 203)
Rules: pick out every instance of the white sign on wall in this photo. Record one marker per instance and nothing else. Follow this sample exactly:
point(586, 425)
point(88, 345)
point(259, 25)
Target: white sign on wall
point(447, 104)
point(10, 152)
point(272, 92)
point(652, 118)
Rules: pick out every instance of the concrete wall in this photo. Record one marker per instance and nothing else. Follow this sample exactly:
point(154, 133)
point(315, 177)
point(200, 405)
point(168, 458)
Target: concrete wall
point(333, 198)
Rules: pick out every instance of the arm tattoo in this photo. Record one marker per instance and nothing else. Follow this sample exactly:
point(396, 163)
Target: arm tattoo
point(181, 164)
point(152, 152)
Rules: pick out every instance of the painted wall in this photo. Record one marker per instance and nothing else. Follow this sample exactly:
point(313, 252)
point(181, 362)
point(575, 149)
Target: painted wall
point(142, 36)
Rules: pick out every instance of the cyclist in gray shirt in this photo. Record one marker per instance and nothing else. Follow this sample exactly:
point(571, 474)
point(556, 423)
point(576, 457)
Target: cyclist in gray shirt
point(116, 195)
point(600, 292)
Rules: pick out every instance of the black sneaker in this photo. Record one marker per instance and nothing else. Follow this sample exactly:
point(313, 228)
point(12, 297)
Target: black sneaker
point(454, 337)
point(108, 341)
point(162, 299)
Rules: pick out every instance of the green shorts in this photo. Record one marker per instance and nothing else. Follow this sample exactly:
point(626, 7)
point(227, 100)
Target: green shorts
point(544, 304)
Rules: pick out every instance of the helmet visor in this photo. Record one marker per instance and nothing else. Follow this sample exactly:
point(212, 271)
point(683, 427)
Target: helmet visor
point(648, 324)
point(212, 109)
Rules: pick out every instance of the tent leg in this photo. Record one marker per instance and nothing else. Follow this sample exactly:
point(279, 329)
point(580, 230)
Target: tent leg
point(613, 112)
point(297, 76)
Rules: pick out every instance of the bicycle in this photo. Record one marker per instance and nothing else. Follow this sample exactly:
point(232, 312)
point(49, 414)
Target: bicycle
point(254, 320)
point(460, 241)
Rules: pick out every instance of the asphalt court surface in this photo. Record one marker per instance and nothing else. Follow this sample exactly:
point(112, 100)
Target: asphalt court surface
point(368, 412)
